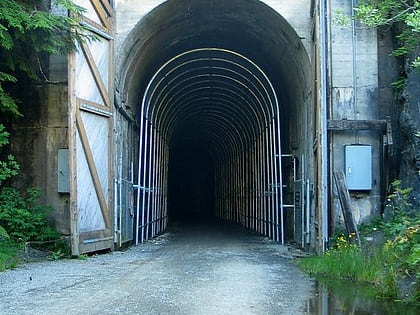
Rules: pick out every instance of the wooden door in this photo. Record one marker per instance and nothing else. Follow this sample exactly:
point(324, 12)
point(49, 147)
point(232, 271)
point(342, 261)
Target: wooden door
point(90, 137)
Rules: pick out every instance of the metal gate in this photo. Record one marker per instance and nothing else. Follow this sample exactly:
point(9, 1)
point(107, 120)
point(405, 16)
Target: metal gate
point(90, 139)
point(245, 136)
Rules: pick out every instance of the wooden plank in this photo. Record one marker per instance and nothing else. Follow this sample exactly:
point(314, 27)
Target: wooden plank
point(96, 28)
point(108, 7)
point(345, 203)
point(96, 75)
point(89, 247)
point(102, 14)
point(111, 129)
point(100, 234)
point(74, 212)
point(342, 125)
point(93, 170)
point(94, 108)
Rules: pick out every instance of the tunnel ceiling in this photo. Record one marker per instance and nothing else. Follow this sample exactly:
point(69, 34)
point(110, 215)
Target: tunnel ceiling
point(213, 64)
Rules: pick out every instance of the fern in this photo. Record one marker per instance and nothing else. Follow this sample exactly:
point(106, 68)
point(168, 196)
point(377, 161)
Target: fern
point(28, 28)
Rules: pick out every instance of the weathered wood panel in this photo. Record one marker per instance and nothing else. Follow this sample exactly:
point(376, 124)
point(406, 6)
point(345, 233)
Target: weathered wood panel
point(90, 134)
point(380, 124)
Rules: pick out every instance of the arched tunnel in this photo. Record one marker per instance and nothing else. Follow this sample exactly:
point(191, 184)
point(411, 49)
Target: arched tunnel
point(221, 93)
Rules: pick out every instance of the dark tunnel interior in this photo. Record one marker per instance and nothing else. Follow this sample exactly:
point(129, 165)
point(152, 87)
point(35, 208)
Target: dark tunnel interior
point(190, 181)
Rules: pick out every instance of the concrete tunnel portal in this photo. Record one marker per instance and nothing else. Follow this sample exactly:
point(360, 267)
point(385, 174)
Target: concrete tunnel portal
point(220, 91)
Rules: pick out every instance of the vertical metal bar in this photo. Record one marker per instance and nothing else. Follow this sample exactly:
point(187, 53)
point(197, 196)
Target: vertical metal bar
point(162, 175)
point(149, 180)
point(257, 186)
point(120, 176)
point(257, 191)
point(324, 200)
point(139, 176)
point(275, 178)
point(152, 173)
point(143, 168)
point(157, 183)
point(308, 204)
point(302, 202)
point(280, 179)
point(263, 200)
point(165, 184)
point(273, 181)
point(246, 192)
point(268, 182)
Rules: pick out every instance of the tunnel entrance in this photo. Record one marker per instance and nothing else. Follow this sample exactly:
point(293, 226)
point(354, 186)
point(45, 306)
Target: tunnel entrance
point(221, 95)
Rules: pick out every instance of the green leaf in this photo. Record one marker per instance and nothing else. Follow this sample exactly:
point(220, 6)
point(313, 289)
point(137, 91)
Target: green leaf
point(3, 233)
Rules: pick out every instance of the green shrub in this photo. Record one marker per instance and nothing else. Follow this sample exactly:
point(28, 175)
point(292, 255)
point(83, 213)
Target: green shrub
point(23, 217)
point(8, 254)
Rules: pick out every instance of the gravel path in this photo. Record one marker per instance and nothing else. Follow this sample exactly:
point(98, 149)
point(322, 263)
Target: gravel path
point(201, 270)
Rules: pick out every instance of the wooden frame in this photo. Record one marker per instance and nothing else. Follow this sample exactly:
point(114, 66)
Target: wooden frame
point(96, 238)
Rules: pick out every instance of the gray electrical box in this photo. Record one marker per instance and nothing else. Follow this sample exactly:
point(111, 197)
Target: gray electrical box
point(358, 167)
point(63, 171)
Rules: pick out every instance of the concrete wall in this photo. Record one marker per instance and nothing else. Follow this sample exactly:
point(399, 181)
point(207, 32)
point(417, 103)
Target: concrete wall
point(354, 95)
point(38, 135)
point(130, 12)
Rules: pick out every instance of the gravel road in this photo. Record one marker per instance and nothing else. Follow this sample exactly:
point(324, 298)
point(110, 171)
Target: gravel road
point(219, 269)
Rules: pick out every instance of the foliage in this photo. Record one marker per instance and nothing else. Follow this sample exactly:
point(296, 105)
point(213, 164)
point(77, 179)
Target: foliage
point(403, 14)
point(381, 266)
point(28, 29)
point(23, 218)
point(8, 167)
point(3, 234)
point(8, 254)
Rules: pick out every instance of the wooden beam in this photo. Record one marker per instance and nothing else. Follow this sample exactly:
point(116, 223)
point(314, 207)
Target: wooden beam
point(74, 211)
point(345, 203)
point(96, 75)
point(344, 124)
point(93, 170)
point(103, 14)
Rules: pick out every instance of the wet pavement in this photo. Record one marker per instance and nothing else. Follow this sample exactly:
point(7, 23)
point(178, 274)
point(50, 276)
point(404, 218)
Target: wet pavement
point(195, 269)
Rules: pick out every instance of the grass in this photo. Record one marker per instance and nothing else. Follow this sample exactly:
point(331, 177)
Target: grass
point(389, 265)
point(375, 269)
point(383, 267)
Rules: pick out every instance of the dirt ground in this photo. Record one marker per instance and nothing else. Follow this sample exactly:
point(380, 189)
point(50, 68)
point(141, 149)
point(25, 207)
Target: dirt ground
point(197, 270)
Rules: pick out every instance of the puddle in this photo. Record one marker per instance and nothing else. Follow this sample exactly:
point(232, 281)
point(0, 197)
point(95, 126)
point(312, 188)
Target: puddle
point(344, 298)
